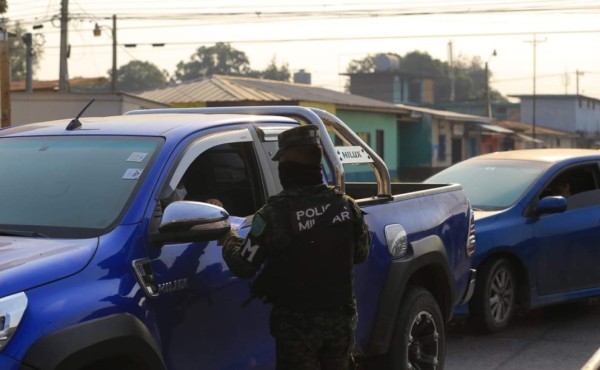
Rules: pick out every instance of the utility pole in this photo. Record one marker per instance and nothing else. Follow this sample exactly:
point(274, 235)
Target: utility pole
point(451, 60)
point(114, 54)
point(577, 74)
point(4, 79)
point(28, 40)
point(113, 29)
point(63, 74)
point(534, 42)
point(488, 100)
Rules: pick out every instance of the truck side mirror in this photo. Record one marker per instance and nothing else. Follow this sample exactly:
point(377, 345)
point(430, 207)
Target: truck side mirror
point(187, 222)
point(552, 204)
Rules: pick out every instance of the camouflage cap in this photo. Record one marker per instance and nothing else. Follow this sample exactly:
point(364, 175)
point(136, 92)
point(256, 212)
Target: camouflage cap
point(305, 135)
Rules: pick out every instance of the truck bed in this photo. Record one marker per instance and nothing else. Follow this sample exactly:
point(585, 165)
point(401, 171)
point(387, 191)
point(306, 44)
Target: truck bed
point(366, 192)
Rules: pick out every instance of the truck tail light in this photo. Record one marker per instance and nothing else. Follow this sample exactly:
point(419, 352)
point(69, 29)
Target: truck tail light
point(12, 309)
point(470, 248)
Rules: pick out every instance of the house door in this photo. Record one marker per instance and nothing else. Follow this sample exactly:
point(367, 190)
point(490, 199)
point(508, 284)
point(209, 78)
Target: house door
point(457, 150)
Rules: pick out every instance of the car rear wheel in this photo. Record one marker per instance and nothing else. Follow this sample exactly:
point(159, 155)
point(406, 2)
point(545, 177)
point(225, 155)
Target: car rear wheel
point(493, 303)
point(419, 340)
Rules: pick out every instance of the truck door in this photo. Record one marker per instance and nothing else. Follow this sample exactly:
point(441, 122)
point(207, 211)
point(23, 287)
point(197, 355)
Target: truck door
point(199, 312)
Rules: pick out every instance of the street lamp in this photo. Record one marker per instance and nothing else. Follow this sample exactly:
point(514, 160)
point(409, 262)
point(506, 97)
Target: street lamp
point(488, 103)
point(97, 33)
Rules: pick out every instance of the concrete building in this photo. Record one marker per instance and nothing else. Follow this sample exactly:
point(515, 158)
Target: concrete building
point(52, 105)
point(570, 113)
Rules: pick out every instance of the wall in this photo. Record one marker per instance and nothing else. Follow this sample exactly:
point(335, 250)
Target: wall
point(415, 149)
point(373, 85)
point(552, 113)
point(47, 106)
point(441, 143)
point(587, 115)
point(370, 122)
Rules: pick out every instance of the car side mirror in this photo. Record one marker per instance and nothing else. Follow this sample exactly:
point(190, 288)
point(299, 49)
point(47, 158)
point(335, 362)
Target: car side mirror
point(187, 222)
point(552, 204)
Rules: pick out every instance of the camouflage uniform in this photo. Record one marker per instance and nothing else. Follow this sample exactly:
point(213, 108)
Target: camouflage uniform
point(310, 333)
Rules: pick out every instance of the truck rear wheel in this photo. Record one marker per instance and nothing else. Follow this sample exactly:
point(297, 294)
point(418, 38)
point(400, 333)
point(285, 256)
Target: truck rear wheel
point(419, 339)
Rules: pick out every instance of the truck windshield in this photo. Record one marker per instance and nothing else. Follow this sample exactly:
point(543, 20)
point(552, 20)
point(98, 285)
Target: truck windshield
point(491, 184)
point(69, 187)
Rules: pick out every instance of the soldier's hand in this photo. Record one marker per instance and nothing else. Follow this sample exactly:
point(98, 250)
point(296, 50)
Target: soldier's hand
point(227, 235)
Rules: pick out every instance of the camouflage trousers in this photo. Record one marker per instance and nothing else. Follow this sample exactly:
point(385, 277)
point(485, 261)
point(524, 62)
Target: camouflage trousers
point(314, 340)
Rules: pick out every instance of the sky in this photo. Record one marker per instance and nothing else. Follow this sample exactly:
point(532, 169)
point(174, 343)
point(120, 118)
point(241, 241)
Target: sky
point(557, 41)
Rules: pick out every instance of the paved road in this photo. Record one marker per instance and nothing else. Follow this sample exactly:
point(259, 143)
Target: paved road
point(555, 338)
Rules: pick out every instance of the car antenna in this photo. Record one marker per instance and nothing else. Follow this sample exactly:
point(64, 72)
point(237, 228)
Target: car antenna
point(75, 123)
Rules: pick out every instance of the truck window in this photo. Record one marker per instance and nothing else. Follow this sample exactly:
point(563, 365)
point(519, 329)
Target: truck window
point(70, 186)
point(226, 175)
point(219, 168)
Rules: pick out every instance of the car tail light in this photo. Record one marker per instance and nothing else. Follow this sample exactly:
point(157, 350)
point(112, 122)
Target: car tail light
point(471, 239)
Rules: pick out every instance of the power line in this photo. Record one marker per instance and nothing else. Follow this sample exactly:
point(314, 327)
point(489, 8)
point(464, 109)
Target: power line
point(197, 14)
point(352, 38)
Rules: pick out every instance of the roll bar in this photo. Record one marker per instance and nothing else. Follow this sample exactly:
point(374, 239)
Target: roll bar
point(318, 117)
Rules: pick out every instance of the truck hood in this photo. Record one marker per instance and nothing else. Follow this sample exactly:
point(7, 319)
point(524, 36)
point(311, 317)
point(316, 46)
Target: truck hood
point(28, 262)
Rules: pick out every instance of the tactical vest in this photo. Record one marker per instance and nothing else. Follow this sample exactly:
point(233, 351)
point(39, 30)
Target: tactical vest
point(315, 269)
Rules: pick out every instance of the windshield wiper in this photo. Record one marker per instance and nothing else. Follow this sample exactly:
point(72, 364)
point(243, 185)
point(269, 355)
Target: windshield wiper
point(29, 234)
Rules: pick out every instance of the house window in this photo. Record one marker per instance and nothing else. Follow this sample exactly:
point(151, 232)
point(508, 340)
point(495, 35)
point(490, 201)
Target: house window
point(337, 141)
point(442, 147)
point(365, 136)
point(396, 90)
point(379, 143)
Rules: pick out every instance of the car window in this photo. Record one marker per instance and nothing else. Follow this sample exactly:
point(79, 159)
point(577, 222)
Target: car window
point(71, 186)
point(579, 184)
point(492, 184)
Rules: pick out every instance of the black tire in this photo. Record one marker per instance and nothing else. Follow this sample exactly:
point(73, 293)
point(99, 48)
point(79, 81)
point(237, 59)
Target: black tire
point(116, 363)
point(494, 301)
point(419, 339)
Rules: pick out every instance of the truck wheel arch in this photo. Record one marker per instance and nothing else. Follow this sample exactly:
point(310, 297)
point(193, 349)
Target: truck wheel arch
point(428, 267)
point(83, 344)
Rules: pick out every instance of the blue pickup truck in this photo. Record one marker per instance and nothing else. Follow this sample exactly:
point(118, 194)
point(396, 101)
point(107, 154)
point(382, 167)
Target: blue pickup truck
point(101, 267)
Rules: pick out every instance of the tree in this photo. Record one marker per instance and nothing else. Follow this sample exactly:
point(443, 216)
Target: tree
point(365, 65)
point(3, 6)
point(18, 50)
point(139, 76)
point(272, 72)
point(218, 59)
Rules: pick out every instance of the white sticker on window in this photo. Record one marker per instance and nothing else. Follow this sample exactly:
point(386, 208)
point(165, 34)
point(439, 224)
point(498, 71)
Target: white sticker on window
point(132, 174)
point(137, 157)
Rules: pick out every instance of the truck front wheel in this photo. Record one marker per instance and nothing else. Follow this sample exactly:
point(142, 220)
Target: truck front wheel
point(419, 340)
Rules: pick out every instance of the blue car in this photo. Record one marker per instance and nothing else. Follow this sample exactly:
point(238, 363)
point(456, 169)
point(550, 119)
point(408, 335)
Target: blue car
point(537, 228)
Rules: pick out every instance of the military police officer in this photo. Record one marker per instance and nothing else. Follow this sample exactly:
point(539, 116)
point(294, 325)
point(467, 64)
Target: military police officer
point(308, 237)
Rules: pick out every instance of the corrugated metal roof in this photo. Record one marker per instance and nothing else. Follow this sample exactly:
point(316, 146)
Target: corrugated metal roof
point(53, 84)
point(229, 89)
point(496, 128)
point(447, 115)
point(527, 129)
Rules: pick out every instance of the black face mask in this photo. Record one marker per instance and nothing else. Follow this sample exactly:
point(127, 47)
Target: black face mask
point(294, 174)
